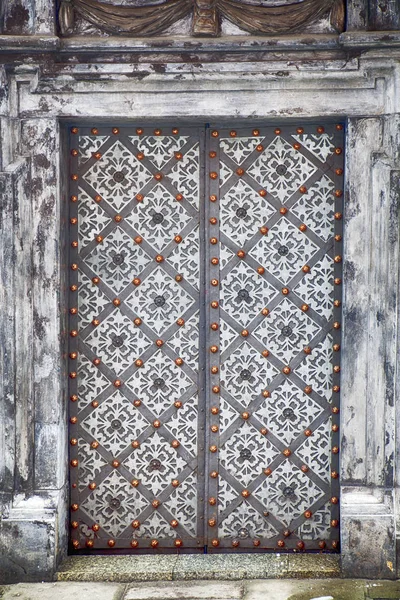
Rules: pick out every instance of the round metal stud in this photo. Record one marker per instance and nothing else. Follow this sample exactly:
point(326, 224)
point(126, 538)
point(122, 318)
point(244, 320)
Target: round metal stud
point(304, 307)
point(156, 503)
point(73, 398)
point(336, 369)
point(73, 288)
point(92, 486)
point(135, 444)
point(74, 267)
point(335, 428)
point(267, 472)
point(336, 388)
point(180, 322)
point(240, 171)
point(216, 389)
point(335, 410)
point(115, 464)
point(178, 543)
point(175, 483)
point(263, 230)
point(94, 445)
point(213, 349)
point(135, 482)
point(266, 394)
point(97, 361)
point(159, 258)
point(264, 431)
point(308, 514)
point(214, 282)
point(73, 221)
point(73, 441)
point(213, 241)
point(286, 370)
point(179, 362)
point(235, 543)
point(337, 281)
point(215, 134)
point(174, 523)
point(244, 333)
point(336, 325)
point(156, 424)
point(136, 281)
point(338, 151)
point(212, 501)
point(334, 500)
point(300, 545)
point(320, 129)
point(178, 404)
point(74, 462)
point(281, 544)
point(75, 544)
point(304, 468)
point(137, 321)
point(111, 543)
point(137, 403)
point(256, 543)
point(233, 133)
point(285, 291)
point(308, 432)
point(215, 261)
point(283, 210)
point(337, 303)
point(213, 175)
point(214, 326)
point(213, 449)
point(339, 172)
point(74, 177)
point(154, 543)
point(297, 146)
point(74, 507)
point(213, 198)
point(73, 333)
point(212, 522)
point(214, 410)
point(215, 543)
point(214, 370)
point(214, 428)
point(118, 218)
point(214, 474)
point(74, 130)
point(139, 362)
point(241, 253)
point(277, 131)
point(212, 154)
point(117, 383)
point(246, 493)
point(308, 389)
point(287, 452)
point(334, 523)
point(335, 475)
point(245, 415)
point(262, 193)
point(159, 343)
point(95, 322)
point(175, 444)
point(338, 216)
point(307, 350)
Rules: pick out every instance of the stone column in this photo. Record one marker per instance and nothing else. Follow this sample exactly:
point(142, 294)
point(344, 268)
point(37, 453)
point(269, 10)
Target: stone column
point(370, 306)
point(32, 405)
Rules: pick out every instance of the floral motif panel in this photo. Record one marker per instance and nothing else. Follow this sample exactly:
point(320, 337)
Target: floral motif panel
point(135, 380)
point(274, 265)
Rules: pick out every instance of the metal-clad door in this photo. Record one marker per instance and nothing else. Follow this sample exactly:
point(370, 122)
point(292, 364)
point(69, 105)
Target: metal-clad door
point(205, 337)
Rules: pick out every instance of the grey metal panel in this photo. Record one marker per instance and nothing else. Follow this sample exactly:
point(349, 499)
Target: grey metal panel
point(135, 377)
point(275, 484)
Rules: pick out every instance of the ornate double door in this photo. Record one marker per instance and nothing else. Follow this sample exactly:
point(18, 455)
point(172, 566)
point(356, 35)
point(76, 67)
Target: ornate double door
point(204, 332)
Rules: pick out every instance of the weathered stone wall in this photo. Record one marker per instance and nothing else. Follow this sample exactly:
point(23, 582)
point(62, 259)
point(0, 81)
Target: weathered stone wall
point(47, 82)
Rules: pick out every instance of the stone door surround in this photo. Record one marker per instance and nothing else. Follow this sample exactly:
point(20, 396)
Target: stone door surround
point(35, 106)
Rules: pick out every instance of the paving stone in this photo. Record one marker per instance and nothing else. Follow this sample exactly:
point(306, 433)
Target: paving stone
point(310, 589)
point(231, 566)
point(181, 590)
point(63, 591)
point(123, 569)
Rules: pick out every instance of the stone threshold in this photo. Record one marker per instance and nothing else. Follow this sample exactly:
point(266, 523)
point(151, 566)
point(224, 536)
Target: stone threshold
point(125, 569)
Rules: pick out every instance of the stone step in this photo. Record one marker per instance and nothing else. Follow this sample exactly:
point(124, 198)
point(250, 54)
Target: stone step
point(230, 567)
